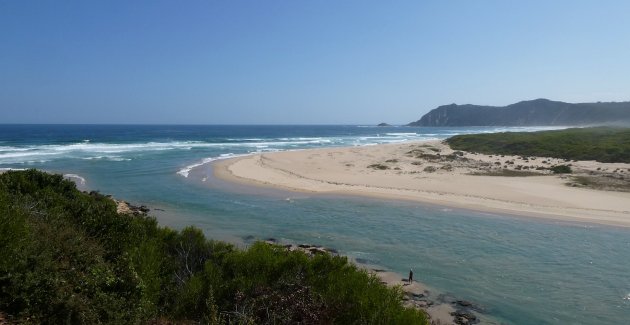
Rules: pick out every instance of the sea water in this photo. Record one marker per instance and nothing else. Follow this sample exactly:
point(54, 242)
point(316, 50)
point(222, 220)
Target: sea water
point(519, 270)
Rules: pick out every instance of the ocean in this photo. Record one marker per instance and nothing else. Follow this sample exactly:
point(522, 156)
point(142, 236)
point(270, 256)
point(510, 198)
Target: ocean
point(519, 270)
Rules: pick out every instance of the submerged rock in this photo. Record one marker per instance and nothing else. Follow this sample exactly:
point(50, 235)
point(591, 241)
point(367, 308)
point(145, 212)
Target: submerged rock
point(462, 317)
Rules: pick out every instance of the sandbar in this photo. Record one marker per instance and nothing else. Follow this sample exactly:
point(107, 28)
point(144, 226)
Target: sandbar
point(431, 172)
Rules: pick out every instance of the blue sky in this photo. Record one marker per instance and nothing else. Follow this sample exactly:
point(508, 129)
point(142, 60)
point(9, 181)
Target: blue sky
point(301, 62)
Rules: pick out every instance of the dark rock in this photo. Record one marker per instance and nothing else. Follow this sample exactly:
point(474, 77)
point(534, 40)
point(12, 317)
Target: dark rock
point(463, 303)
point(463, 317)
point(383, 124)
point(271, 239)
point(446, 298)
point(422, 303)
point(316, 250)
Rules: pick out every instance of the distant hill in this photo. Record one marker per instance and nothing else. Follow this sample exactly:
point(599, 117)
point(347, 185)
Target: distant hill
point(536, 112)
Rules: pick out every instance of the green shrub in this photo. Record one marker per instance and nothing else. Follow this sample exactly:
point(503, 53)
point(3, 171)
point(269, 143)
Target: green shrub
point(561, 169)
point(68, 257)
point(603, 144)
point(378, 166)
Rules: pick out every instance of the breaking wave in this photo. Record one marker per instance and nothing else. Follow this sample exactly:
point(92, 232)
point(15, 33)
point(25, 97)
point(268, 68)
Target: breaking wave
point(186, 170)
point(89, 149)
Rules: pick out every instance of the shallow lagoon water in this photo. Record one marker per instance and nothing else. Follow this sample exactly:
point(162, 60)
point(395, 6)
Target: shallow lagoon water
point(522, 271)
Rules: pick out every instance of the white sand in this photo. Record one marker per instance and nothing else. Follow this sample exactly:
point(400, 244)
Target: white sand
point(346, 171)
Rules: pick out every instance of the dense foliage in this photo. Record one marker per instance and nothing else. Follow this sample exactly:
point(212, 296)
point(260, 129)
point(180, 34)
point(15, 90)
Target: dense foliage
point(602, 144)
point(68, 257)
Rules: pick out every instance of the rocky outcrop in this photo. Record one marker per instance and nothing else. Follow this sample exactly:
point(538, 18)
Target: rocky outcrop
point(124, 207)
point(310, 250)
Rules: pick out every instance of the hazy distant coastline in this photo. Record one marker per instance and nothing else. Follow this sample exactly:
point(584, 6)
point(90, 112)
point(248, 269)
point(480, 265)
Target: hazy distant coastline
point(538, 112)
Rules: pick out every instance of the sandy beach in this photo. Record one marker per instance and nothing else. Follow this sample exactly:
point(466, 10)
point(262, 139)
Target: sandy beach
point(432, 172)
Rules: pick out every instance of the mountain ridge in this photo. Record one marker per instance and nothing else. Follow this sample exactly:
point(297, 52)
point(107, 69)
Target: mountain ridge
point(537, 112)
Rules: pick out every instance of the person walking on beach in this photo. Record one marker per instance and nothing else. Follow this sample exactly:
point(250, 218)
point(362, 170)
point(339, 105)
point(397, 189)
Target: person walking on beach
point(410, 276)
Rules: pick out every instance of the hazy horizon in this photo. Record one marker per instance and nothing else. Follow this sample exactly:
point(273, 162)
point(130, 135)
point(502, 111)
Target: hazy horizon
point(301, 63)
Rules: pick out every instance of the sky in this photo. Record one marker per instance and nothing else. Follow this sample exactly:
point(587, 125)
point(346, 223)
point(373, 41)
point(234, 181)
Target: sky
point(301, 62)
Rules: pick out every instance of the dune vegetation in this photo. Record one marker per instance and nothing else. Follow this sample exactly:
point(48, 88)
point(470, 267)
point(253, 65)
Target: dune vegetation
point(67, 256)
point(603, 144)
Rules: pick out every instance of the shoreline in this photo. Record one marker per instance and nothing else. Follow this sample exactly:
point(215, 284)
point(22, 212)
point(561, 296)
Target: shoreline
point(441, 307)
point(356, 171)
point(415, 295)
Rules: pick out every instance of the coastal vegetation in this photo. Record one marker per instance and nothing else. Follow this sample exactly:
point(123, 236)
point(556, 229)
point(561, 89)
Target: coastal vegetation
point(603, 144)
point(378, 166)
point(67, 256)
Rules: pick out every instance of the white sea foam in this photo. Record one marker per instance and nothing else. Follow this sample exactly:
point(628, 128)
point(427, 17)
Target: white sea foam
point(76, 177)
point(110, 158)
point(115, 151)
point(97, 150)
point(186, 170)
point(402, 134)
point(88, 150)
point(8, 169)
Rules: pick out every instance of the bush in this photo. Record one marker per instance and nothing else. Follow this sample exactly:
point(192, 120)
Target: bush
point(561, 169)
point(430, 169)
point(68, 257)
point(603, 144)
point(378, 166)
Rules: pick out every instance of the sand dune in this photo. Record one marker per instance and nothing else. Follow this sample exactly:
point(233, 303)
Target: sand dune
point(432, 172)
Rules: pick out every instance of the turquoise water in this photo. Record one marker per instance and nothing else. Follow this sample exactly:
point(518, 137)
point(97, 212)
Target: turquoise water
point(521, 271)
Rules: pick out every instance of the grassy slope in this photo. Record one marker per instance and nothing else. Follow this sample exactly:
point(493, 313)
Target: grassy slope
point(68, 257)
point(601, 144)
